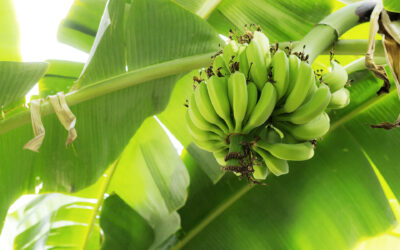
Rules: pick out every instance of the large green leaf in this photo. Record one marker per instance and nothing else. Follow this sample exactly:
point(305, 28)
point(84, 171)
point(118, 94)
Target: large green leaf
point(55, 220)
point(123, 227)
point(149, 175)
point(280, 20)
point(296, 18)
point(365, 109)
point(392, 5)
point(152, 179)
point(106, 123)
point(60, 77)
point(329, 202)
point(80, 26)
point(9, 32)
point(17, 78)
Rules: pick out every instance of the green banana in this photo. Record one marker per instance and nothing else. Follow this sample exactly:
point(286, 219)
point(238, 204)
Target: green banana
point(271, 135)
point(230, 51)
point(280, 69)
point(263, 108)
point(218, 91)
point(275, 165)
point(294, 63)
point(300, 89)
point(313, 129)
point(263, 41)
point(311, 109)
point(340, 99)
point(311, 90)
point(337, 78)
point(220, 156)
point(199, 120)
point(199, 134)
point(258, 69)
point(243, 63)
point(219, 66)
point(238, 89)
point(260, 172)
point(211, 146)
point(206, 108)
point(252, 93)
point(291, 152)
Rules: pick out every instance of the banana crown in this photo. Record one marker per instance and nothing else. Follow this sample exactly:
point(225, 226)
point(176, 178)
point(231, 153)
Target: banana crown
point(258, 106)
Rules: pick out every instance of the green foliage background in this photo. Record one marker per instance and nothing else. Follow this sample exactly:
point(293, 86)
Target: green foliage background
point(124, 168)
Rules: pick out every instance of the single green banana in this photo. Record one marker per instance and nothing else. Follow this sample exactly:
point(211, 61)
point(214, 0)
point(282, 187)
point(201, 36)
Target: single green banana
point(238, 89)
point(198, 134)
point(291, 152)
point(313, 129)
point(220, 156)
point(218, 91)
point(337, 78)
point(219, 66)
point(280, 72)
point(230, 52)
point(211, 146)
point(243, 63)
point(340, 99)
point(311, 109)
point(272, 135)
point(258, 69)
point(263, 41)
point(260, 172)
point(199, 120)
point(300, 89)
point(263, 108)
point(294, 64)
point(206, 108)
point(275, 165)
point(311, 90)
point(252, 93)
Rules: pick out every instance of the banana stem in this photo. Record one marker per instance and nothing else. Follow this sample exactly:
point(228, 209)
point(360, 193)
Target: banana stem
point(356, 47)
point(359, 64)
point(324, 34)
point(236, 150)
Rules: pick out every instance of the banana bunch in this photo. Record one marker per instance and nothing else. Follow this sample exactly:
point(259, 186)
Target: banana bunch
point(261, 107)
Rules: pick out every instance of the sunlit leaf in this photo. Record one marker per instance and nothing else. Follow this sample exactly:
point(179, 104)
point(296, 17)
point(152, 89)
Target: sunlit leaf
point(60, 76)
point(391, 5)
point(106, 124)
point(9, 32)
point(17, 78)
point(123, 227)
point(152, 179)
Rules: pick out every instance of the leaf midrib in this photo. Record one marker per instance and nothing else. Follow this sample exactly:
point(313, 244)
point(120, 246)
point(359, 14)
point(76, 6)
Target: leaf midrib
point(212, 215)
point(112, 84)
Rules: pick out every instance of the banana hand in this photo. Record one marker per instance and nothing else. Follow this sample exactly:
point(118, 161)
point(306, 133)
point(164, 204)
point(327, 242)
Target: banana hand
point(311, 109)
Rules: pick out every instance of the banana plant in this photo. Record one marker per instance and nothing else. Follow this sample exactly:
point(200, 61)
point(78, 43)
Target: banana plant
point(101, 171)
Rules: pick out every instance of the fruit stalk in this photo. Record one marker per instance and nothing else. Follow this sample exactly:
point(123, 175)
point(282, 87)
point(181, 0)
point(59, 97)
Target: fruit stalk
point(324, 34)
point(236, 150)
